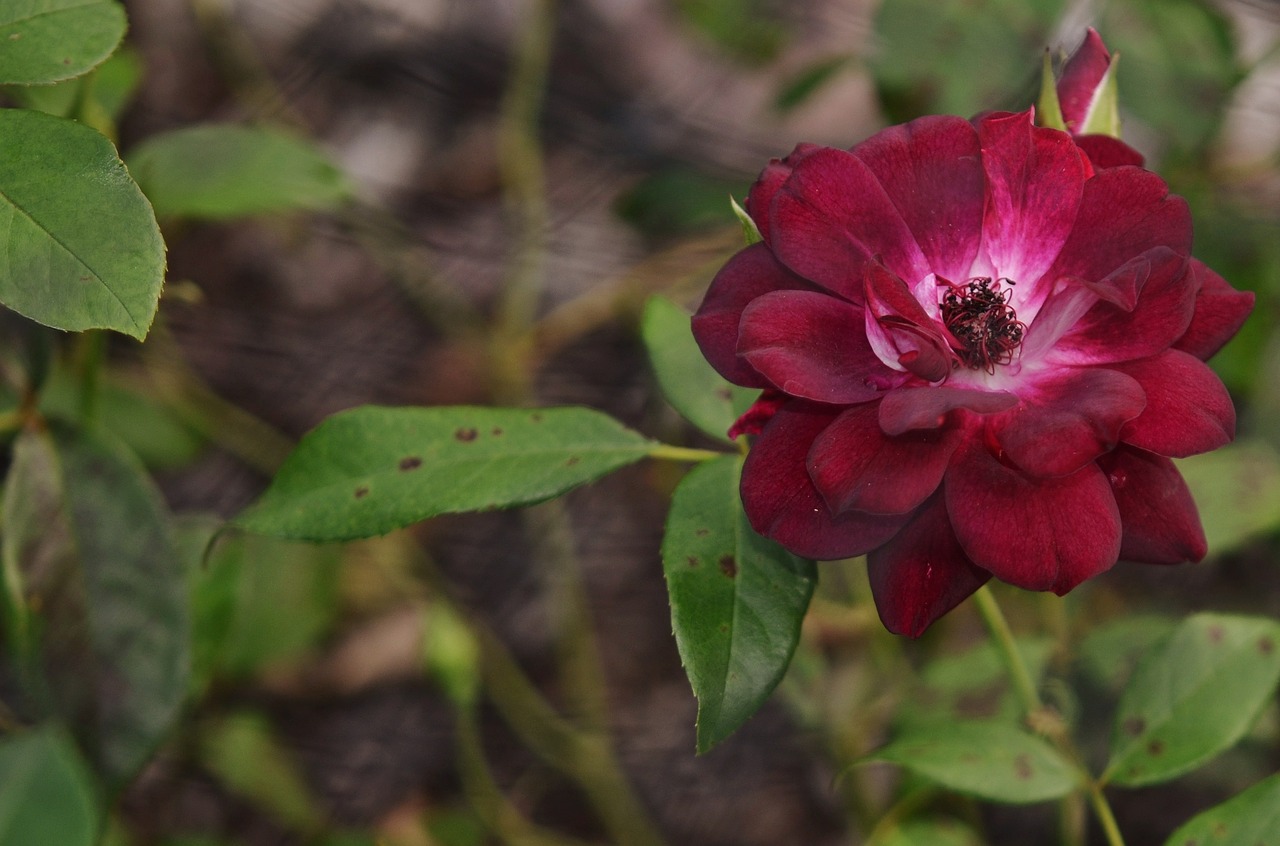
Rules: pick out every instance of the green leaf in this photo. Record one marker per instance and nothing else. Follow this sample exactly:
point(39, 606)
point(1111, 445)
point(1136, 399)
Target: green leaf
point(1104, 112)
point(48, 795)
point(97, 98)
point(370, 470)
point(990, 760)
point(688, 382)
point(941, 832)
point(1196, 695)
point(973, 685)
point(88, 544)
point(678, 200)
point(220, 171)
point(1049, 108)
point(1250, 819)
point(51, 40)
point(256, 600)
point(242, 750)
point(750, 232)
point(1237, 489)
point(81, 245)
point(1109, 652)
point(737, 599)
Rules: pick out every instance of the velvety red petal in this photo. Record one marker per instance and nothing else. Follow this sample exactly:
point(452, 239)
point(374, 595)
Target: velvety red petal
point(832, 216)
point(931, 168)
point(1034, 183)
point(760, 197)
point(1220, 311)
point(1046, 534)
point(1165, 300)
point(1124, 212)
point(751, 273)
point(1104, 151)
point(855, 466)
point(782, 503)
point(814, 346)
point(1161, 524)
point(1068, 419)
point(1081, 78)
point(911, 409)
point(899, 329)
point(754, 419)
point(1188, 409)
point(922, 573)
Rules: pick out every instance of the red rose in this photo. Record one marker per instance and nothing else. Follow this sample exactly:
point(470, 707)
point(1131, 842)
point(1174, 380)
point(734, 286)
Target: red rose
point(978, 352)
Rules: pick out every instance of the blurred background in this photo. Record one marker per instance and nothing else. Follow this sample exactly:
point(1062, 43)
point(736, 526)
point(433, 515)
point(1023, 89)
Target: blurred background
point(502, 184)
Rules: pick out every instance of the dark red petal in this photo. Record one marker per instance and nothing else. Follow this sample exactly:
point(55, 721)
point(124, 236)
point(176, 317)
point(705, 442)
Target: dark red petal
point(751, 273)
point(1188, 409)
point(782, 503)
point(1219, 313)
point(931, 168)
point(1081, 77)
point(1068, 419)
point(1107, 332)
point(855, 466)
point(1104, 151)
point(814, 346)
point(899, 329)
point(760, 197)
point(1034, 182)
point(922, 573)
point(1124, 212)
point(754, 419)
point(911, 409)
point(1047, 534)
point(832, 216)
point(1161, 525)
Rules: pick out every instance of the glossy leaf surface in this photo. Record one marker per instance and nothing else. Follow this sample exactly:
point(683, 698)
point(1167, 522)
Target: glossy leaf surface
point(1193, 697)
point(737, 599)
point(51, 40)
point(81, 245)
point(370, 470)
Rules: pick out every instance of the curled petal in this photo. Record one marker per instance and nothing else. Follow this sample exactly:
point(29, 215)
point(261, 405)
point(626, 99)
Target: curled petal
point(1220, 311)
point(855, 466)
point(832, 216)
point(813, 346)
point(782, 503)
point(1124, 212)
point(1188, 409)
point(751, 273)
point(1034, 182)
point(1069, 419)
point(1082, 80)
point(900, 331)
point(753, 420)
point(931, 168)
point(911, 409)
point(922, 573)
point(760, 197)
point(1165, 294)
point(1038, 534)
point(1104, 151)
point(1161, 525)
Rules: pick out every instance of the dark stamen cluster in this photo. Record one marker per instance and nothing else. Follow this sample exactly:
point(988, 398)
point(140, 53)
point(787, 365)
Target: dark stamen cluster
point(979, 316)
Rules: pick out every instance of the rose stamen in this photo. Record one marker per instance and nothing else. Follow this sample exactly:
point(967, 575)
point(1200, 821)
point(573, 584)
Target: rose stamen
point(979, 317)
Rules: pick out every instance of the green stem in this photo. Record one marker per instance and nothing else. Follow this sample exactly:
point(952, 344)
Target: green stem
point(1036, 712)
point(1000, 632)
point(91, 349)
point(667, 452)
point(1106, 818)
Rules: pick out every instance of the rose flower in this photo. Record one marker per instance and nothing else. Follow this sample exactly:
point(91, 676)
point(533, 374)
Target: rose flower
point(978, 350)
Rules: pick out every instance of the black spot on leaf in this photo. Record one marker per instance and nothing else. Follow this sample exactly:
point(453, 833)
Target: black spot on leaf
point(411, 462)
point(466, 435)
point(362, 491)
point(728, 566)
point(1134, 726)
